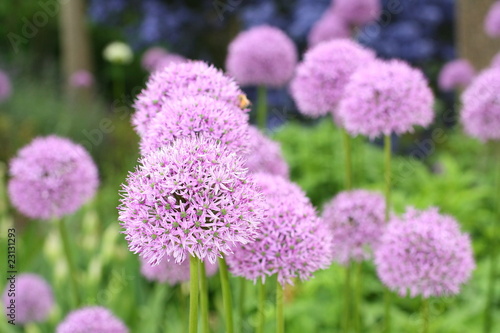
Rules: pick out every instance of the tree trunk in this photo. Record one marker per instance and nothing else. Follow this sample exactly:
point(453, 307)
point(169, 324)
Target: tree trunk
point(472, 42)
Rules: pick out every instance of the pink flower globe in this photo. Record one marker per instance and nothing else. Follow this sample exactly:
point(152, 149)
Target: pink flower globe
point(190, 198)
point(91, 319)
point(321, 77)
point(191, 78)
point(198, 115)
point(265, 155)
point(386, 97)
point(5, 86)
point(292, 241)
point(424, 254)
point(357, 221)
point(358, 12)
point(329, 26)
point(492, 20)
point(51, 177)
point(456, 74)
point(263, 55)
point(81, 79)
point(168, 271)
point(32, 298)
point(167, 60)
point(480, 114)
point(151, 57)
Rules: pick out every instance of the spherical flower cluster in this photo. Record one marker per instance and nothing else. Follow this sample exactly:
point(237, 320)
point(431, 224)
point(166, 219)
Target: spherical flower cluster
point(320, 79)
point(480, 114)
point(357, 220)
point(191, 198)
point(265, 155)
point(151, 57)
point(191, 78)
point(424, 253)
point(263, 55)
point(91, 319)
point(456, 74)
point(168, 60)
point(198, 115)
point(492, 20)
point(51, 177)
point(386, 97)
point(81, 79)
point(358, 12)
point(5, 86)
point(329, 26)
point(32, 296)
point(292, 242)
point(118, 53)
point(172, 273)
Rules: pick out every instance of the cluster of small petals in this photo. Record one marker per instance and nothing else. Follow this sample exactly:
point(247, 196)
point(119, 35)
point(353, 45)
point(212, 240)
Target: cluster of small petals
point(424, 253)
point(81, 79)
point(32, 296)
point(191, 198)
point(357, 221)
point(358, 12)
point(292, 241)
point(265, 155)
point(492, 20)
point(91, 319)
point(171, 272)
point(151, 57)
point(263, 55)
point(329, 26)
point(51, 177)
point(118, 53)
point(321, 77)
point(456, 74)
point(5, 86)
point(386, 97)
point(191, 78)
point(198, 115)
point(480, 114)
point(168, 60)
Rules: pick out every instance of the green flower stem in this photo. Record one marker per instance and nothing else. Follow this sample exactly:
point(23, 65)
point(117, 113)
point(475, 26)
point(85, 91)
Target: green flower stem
point(118, 81)
point(226, 295)
point(347, 300)
point(425, 315)
point(205, 326)
point(358, 297)
point(262, 107)
point(280, 318)
point(262, 305)
point(69, 259)
point(348, 159)
point(387, 178)
point(193, 294)
point(490, 298)
point(241, 302)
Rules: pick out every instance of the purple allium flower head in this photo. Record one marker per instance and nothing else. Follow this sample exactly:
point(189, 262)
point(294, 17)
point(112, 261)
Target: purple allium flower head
point(168, 60)
point(492, 20)
point(357, 220)
point(33, 299)
point(456, 74)
point(51, 177)
point(151, 57)
point(480, 114)
point(172, 273)
point(265, 155)
point(81, 79)
point(185, 79)
point(193, 197)
point(329, 26)
point(5, 86)
point(92, 319)
point(263, 55)
point(385, 97)
point(358, 12)
point(320, 79)
point(424, 253)
point(198, 115)
point(292, 241)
